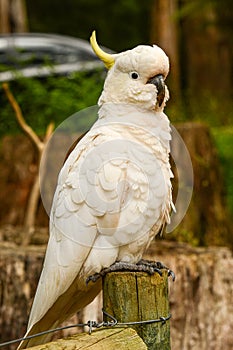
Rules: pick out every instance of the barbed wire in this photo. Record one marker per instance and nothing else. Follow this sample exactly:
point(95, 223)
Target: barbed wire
point(91, 325)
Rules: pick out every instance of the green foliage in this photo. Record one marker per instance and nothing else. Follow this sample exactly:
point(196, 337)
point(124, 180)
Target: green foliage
point(185, 236)
point(51, 99)
point(224, 141)
point(214, 110)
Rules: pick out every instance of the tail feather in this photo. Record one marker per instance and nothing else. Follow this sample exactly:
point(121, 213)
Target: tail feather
point(65, 306)
point(38, 340)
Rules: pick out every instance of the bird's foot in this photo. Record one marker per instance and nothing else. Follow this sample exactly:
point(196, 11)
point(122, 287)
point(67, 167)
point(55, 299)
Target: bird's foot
point(157, 265)
point(150, 267)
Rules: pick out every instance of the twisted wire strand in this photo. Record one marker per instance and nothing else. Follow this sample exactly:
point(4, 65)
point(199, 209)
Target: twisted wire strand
point(91, 325)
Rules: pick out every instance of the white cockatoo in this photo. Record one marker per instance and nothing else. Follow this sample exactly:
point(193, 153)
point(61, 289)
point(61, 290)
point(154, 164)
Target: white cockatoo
point(114, 191)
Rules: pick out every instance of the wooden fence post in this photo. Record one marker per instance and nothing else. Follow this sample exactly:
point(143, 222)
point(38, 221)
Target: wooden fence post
point(138, 296)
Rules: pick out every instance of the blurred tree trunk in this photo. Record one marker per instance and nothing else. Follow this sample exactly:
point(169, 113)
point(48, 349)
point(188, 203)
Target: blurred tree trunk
point(207, 221)
point(13, 16)
point(206, 59)
point(4, 16)
point(207, 53)
point(164, 32)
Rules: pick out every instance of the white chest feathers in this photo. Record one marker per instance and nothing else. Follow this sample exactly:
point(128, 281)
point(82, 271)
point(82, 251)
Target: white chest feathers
point(114, 192)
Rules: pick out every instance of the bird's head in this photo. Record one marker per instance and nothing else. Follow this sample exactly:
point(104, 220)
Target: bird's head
point(135, 76)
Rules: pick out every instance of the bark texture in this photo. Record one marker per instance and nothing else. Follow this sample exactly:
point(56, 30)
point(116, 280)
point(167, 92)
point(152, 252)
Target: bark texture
point(13, 16)
point(118, 338)
point(136, 297)
point(19, 273)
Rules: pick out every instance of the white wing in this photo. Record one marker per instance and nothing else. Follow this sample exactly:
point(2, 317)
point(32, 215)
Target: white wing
point(73, 225)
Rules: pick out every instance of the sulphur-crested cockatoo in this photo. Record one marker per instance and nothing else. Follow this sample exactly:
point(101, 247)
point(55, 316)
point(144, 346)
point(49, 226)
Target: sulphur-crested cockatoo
point(114, 191)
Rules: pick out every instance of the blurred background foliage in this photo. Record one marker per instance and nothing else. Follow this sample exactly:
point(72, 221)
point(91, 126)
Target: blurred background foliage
point(196, 35)
point(120, 24)
point(52, 98)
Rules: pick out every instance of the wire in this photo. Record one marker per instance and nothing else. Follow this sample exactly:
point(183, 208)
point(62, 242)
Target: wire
point(40, 333)
point(91, 325)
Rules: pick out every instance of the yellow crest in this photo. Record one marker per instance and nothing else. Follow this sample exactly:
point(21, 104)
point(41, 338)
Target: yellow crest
point(107, 58)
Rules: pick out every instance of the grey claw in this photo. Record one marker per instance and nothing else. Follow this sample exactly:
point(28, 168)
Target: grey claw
point(143, 266)
point(158, 271)
point(93, 278)
point(172, 274)
point(157, 267)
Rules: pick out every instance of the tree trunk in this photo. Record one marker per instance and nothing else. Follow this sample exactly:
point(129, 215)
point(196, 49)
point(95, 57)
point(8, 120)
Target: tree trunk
point(19, 16)
point(207, 55)
point(19, 273)
point(206, 62)
point(164, 32)
point(206, 221)
point(4, 16)
point(13, 16)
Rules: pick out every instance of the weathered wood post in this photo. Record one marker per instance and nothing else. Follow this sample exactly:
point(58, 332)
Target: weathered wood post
point(138, 296)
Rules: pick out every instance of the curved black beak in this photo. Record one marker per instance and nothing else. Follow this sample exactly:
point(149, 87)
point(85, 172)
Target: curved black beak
point(158, 81)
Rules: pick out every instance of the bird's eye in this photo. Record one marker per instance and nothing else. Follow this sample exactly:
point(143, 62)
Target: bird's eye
point(134, 75)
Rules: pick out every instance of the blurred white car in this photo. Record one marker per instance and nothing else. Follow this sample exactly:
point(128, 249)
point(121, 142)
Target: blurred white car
point(40, 55)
